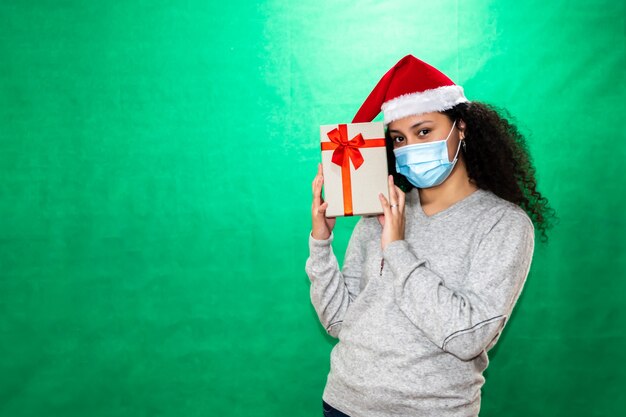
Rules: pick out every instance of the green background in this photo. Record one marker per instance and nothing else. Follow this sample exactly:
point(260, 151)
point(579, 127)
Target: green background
point(156, 161)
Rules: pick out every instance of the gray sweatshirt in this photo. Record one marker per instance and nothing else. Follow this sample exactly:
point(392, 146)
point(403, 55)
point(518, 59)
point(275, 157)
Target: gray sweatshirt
point(414, 330)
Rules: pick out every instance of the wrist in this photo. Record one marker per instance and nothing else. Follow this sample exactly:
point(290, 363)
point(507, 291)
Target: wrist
point(320, 236)
point(387, 243)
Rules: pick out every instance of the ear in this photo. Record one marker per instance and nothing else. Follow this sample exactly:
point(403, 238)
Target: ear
point(461, 126)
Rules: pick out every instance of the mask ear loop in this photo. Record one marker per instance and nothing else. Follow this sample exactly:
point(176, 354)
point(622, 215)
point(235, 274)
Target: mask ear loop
point(458, 147)
point(450, 132)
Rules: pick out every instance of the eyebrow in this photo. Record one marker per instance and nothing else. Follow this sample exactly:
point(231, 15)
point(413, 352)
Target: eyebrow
point(412, 127)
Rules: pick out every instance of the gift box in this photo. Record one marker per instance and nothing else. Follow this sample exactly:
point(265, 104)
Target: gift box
point(354, 161)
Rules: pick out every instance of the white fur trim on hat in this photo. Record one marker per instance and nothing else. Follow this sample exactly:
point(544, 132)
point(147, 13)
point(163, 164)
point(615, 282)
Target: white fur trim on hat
point(436, 99)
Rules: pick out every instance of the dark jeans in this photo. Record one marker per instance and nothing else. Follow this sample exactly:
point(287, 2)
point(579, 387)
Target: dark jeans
point(329, 411)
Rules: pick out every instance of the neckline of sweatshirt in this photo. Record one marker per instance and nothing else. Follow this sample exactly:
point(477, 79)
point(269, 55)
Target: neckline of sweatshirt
point(413, 199)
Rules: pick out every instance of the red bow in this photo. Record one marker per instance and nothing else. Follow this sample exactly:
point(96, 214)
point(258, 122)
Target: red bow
point(346, 148)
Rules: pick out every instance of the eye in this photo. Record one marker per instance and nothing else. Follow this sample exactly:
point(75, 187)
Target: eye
point(397, 140)
point(419, 133)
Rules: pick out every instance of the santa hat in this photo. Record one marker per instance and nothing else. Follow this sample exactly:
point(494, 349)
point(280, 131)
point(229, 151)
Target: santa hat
point(410, 87)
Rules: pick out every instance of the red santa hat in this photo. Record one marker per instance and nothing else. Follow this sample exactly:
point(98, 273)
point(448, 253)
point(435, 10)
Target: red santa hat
point(410, 87)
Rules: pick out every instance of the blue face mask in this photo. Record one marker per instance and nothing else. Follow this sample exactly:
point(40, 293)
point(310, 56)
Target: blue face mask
point(425, 164)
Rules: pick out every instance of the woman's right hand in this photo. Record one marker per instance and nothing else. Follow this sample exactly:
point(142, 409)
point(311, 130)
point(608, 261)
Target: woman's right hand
point(322, 225)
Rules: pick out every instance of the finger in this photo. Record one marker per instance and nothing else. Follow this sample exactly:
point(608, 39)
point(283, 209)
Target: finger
point(385, 204)
point(331, 221)
point(317, 186)
point(401, 199)
point(381, 219)
point(322, 212)
point(393, 198)
point(321, 209)
point(314, 182)
point(317, 201)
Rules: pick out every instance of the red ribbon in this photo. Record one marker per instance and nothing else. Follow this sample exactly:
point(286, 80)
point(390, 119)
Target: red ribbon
point(345, 151)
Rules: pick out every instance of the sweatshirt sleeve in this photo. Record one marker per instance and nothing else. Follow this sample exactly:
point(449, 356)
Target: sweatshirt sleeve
point(466, 321)
point(333, 290)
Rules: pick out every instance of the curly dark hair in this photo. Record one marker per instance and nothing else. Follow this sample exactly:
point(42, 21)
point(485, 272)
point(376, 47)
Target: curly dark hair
point(497, 160)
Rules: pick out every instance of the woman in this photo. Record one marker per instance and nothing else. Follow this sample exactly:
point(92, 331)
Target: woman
point(427, 287)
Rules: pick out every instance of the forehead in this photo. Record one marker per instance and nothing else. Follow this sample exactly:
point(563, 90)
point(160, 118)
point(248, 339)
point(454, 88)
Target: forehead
point(409, 121)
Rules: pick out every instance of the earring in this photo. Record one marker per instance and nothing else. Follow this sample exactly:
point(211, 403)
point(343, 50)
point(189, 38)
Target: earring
point(464, 146)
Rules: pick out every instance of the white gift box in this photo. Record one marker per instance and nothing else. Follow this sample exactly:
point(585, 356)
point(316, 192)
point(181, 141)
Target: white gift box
point(354, 161)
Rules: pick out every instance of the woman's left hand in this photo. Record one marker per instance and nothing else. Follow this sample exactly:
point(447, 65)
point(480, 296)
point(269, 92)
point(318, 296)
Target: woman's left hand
point(393, 218)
